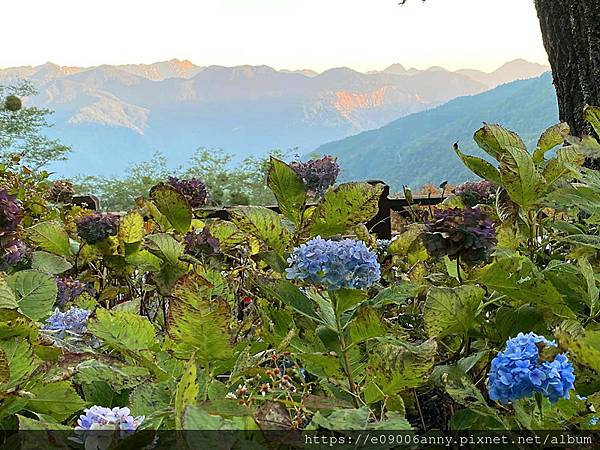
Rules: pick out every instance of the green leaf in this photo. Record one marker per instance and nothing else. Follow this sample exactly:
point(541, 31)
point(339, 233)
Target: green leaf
point(365, 325)
point(148, 398)
point(262, 223)
point(592, 288)
point(116, 375)
point(122, 330)
point(397, 294)
point(452, 310)
point(21, 361)
point(479, 167)
point(288, 189)
point(584, 240)
point(8, 299)
point(553, 136)
point(346, 299)
point(49, 263)
point(58, 400)
point(166, 247)
point(396, 365)
point(227, 233)
point(584, 349)
point(289, 294)
point(36, 293)
point(520, 177)
point(511, 321)
point(592, 115)
point(199, 321)
point(51, 237)
point(173, 205)
point(495, 140)
point(131, 228)
point(187, 393)
point(520, 281)
point(343, 419)
point(343, 207)
point(562, 164)
point(465, 393)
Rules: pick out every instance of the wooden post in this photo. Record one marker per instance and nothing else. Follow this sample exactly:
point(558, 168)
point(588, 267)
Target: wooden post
point(381, 224)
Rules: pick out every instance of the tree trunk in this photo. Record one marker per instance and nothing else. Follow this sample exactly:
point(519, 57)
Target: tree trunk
point(571, 32)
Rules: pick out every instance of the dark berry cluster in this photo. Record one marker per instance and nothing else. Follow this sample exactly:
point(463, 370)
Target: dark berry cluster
point(468, 234)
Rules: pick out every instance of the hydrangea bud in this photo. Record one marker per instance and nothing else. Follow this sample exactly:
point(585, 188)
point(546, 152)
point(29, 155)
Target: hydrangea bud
point(468, 234)
point(334, 264)
point(521, 370)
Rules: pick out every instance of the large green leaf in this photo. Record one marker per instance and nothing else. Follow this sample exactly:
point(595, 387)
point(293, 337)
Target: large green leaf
point(21, 361)
point(118, 376)
point(452, 310)
point(552, 137)
point(49, 263)
point(288, 189)
point(122, 330)
point(131, 228)
point(495, 140)
point(395, 365)
point(166, 247)
point(343, 207)
point(520, 281)
point(264, 224)
point(479, 167)
point(58, 400)
point(289, 294)
point(36, 293)
point(520, 177)
point(50, 236)
point(584, 349)
point(198, 320)
point(173, 205)
point(511, 321)
point(584, 240)
point(562, 164)
point(187, 392)
point(8, 298)
point(365, 325)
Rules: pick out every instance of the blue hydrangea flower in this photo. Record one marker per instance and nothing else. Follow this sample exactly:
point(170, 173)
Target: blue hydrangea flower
point(73, 321)
point(335, 264)
point(519, 371)
point(101, 418)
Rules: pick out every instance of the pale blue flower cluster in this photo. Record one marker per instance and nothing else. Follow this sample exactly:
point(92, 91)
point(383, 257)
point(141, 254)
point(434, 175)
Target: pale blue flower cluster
point(73, 321)
point(519, 372)
point(335, 264)
point(99, 418)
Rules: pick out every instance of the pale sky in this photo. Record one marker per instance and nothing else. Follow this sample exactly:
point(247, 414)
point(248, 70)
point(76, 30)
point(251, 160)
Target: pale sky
point(316, 34)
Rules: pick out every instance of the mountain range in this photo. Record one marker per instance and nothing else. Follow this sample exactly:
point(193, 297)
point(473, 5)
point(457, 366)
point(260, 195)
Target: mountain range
point(417, 149)
point(114, 116)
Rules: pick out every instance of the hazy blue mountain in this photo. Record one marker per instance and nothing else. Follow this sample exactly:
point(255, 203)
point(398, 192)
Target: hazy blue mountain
point(113, 116)
point(417, 149)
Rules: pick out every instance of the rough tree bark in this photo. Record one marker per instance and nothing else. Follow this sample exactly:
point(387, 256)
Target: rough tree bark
point(571, 33)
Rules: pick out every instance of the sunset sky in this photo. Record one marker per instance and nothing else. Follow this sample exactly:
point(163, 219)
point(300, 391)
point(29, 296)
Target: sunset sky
point(316, 34)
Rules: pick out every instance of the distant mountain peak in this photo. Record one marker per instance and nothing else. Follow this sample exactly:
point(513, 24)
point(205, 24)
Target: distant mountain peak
point(395, 69)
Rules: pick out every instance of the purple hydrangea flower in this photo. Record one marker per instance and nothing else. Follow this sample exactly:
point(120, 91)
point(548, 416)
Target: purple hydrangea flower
point(193, 189)
point(476, 193)
point(466, 233)
point(17, 256)
point(73, 321)
point(335, 264)
point(11, 212)
point(519, 371)
point(97, 227)
point(69, 289)
point(317, 174)
point(101, 418)
point(201, 242)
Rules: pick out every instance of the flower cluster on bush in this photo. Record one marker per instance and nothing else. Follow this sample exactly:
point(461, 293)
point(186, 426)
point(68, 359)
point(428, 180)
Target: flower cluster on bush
point(520, 371)
point(468, 234)
point(69, 289)
point(193, 189)
point(475, 193)
point(199, 243)
point(61, 191)
point(73, 321)
point(335, 264)
point(11, 212)
point(17, 255)
point(317, 174)
point(99, 418)
point(97, 227)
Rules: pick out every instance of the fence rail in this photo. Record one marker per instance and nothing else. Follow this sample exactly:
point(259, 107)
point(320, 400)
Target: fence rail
point(381, 224)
